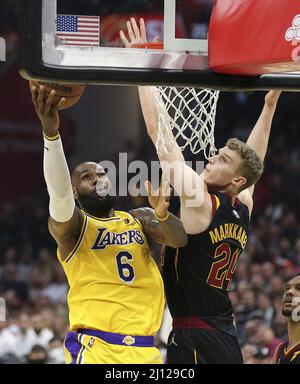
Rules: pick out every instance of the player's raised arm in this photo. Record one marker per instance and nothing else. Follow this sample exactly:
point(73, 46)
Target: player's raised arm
point(259, 136)
point(158, 223)
point(189, 186)
point(65, 219)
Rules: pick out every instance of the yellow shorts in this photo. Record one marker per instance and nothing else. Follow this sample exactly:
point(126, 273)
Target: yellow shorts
point(85, 349)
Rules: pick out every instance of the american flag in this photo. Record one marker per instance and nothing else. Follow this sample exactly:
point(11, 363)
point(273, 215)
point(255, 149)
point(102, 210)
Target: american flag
point(78, 30)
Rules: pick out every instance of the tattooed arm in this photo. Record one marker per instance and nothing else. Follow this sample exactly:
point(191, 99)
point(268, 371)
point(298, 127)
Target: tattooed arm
point(169, 232)
point(158, 224)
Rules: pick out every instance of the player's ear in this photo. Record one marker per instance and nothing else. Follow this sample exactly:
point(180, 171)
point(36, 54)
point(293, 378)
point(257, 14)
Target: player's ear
point(75, 194)
point(239, 181)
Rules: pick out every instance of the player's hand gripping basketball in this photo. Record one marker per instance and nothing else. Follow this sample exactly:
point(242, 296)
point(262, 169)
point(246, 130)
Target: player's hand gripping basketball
point(159, 199)
point(47, 110)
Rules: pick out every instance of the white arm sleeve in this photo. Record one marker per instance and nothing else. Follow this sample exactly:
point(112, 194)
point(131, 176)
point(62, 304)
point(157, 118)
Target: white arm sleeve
point(58, 180)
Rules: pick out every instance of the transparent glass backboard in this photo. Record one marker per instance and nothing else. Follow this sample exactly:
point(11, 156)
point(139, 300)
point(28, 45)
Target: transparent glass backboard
point(85, 33)
point(78, 41)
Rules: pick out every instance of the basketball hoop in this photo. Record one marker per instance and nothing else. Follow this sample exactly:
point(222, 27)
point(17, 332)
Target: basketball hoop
point(188, 113)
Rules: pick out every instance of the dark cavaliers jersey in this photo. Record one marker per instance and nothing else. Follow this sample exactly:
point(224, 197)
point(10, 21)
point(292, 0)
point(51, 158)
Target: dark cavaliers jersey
point(284, 356)
point(197, 277)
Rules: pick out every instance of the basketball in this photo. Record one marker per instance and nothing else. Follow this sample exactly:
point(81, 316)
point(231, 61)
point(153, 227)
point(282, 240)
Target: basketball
point(71, 92)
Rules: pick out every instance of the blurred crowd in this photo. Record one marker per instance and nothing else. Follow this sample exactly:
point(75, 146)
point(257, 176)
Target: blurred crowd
point(34, 286)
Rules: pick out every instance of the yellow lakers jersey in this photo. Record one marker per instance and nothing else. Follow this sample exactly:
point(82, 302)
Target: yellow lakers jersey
point(115, 285)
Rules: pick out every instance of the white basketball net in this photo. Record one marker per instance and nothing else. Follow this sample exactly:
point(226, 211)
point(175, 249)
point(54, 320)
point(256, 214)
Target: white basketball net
point(186, 115)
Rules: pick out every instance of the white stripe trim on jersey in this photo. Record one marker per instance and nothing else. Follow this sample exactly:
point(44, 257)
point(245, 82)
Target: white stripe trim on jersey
point(80, 242)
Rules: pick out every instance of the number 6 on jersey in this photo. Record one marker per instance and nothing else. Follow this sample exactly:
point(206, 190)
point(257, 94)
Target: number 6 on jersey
point(126, 271)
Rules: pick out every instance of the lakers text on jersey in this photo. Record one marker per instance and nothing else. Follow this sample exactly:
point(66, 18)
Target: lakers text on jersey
point(115, 287)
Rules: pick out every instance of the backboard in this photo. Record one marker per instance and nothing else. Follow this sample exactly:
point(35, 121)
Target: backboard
point(78, 41)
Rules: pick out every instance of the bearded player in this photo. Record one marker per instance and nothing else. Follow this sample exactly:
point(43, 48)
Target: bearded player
point(116, 296)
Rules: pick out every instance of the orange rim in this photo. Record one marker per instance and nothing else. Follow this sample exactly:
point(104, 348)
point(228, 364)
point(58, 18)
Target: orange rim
point(157, 45)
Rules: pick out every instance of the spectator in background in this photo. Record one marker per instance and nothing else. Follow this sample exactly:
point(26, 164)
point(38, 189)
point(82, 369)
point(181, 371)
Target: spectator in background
point(279, 326)
point(277, 286)
point(261, 355)
point(247, 305)
point(39, 334)
point(9, 281)
point(257, 283)
point(60, 326)
point(267, 270)
point(7, 340)
point(247, 333)
point(248, 351)
point(37, 355)
point(57, 290)
point(264, 304)
point(20, 336)
point(265, 338)
point(56, 354)
point(297, 253)
point(234, 298)
point(14, 338)
point(242, 271)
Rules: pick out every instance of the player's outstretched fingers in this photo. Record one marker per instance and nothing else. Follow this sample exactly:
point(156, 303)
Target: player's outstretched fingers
point(124, 39)
point(166, 188)
point(136, 29)
point(150, 190)
point(40, 99)
point(148, 187)
point(130, 32)
point(49, 102)
point(166, 205)
point(34, 96)
point(167, 194)
point(60, 104)
point(143, 30)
